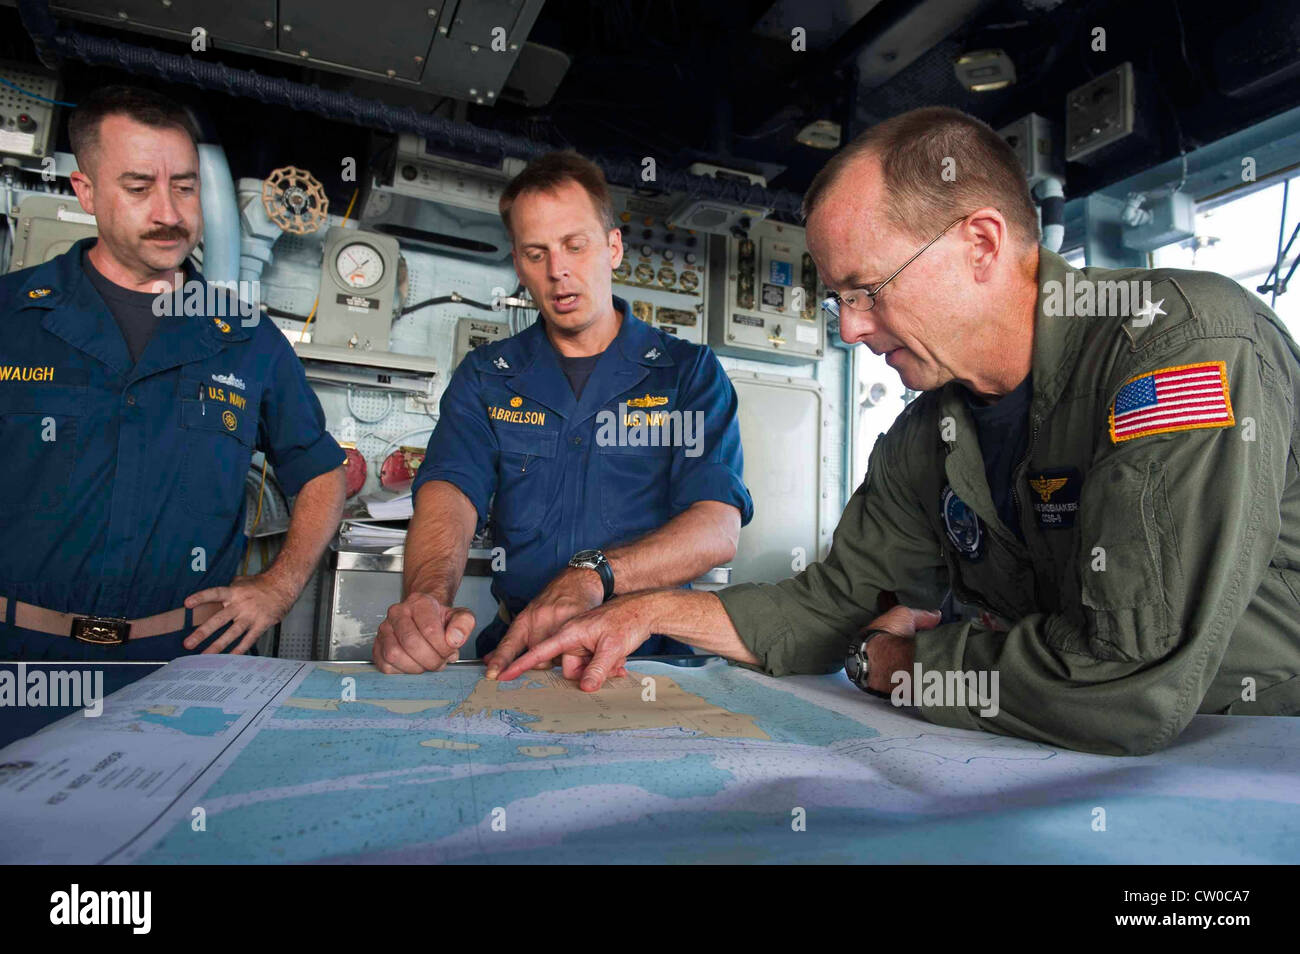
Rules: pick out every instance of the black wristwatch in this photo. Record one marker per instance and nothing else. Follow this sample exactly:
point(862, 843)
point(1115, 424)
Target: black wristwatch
point(595, 560)
point(856, 665)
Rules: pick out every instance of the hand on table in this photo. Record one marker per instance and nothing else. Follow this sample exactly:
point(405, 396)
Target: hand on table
point(895, 648)
point(573, 591)
point(593, 646)
point(419, 634)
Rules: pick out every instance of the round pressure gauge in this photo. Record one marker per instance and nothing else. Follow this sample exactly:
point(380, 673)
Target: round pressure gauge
point(359, 265)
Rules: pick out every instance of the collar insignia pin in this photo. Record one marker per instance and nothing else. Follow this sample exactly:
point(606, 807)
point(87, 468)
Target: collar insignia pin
point(1146, 313)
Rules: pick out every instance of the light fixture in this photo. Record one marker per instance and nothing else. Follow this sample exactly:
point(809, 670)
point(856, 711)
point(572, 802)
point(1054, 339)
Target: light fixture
point(821, 134)
point(982, 71)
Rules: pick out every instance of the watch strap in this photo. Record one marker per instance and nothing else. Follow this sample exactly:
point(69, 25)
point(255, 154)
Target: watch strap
point(606, 575)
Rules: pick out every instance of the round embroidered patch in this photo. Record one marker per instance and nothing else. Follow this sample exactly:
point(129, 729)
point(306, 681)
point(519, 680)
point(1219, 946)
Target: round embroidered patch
point(963, 526)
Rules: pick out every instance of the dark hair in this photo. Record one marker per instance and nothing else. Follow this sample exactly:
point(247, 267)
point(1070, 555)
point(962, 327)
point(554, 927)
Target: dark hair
point(914, 149)
point(142, 105)
point(548, 172)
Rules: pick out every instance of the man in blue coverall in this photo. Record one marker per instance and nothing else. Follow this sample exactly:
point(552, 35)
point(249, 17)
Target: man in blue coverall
point(612, 448)
point(128, 425)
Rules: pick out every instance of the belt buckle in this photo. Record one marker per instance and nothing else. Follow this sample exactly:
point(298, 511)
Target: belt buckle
point(100, 630)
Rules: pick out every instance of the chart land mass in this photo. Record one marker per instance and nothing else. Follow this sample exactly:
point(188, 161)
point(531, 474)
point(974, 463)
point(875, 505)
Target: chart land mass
point(558, 705)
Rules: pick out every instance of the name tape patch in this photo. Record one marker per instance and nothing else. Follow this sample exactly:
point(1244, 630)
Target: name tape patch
point(14, 372)
point(1055, 496)
point(535, 418)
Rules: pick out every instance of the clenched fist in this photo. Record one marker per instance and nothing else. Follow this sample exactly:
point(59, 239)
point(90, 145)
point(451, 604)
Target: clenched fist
point(419, 634)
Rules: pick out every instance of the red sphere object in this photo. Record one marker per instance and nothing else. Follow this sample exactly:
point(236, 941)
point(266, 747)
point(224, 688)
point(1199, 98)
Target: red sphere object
point(398, 469)
point(354, 469)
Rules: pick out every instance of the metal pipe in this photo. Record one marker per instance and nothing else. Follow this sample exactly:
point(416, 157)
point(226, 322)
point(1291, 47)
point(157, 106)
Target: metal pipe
point(1281, 230)
point(1050, 195)
point(221, 232)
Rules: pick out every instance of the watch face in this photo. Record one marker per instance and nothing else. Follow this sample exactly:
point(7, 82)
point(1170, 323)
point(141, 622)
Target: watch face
point(585, 556)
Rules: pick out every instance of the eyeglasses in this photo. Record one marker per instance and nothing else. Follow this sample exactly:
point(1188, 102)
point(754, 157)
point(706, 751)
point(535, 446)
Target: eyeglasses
point(864, 299)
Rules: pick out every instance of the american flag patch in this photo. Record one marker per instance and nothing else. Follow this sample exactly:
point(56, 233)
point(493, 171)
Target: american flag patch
point(1181, 398)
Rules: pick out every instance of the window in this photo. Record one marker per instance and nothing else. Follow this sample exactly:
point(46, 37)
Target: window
point(1239, 238)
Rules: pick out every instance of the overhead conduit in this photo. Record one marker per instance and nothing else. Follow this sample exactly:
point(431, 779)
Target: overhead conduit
point(491, 146)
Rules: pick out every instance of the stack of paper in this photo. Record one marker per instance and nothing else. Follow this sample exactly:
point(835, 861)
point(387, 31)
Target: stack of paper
point(365, 534)
point(385, 507)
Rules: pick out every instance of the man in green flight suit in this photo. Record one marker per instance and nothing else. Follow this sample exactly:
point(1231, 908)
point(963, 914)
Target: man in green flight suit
point(1100, 484)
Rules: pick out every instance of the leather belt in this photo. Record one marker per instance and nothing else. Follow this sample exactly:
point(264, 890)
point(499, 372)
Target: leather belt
point(102, 630)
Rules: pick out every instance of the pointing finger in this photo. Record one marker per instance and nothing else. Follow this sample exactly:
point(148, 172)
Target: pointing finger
point(515, 639)
point(566, 640)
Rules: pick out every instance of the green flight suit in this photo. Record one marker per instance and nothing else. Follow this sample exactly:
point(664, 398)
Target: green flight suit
point(1174, 588)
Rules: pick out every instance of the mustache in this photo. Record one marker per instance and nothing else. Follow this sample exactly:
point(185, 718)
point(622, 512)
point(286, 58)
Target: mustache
point(167, 233)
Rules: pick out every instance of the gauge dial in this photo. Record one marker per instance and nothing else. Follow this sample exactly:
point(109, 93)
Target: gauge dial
point(359, 265)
